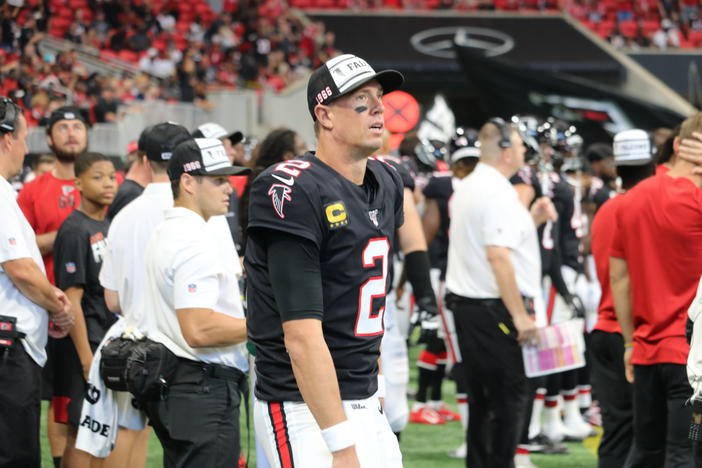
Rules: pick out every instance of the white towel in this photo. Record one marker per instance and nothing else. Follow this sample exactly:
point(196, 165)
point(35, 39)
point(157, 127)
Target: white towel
point(105, 410)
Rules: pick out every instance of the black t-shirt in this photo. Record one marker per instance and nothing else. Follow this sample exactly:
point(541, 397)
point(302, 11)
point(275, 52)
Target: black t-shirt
point(78, 251)
point(104, 107)
point(233, 221)
point(440, 189)
point(354, 229)
point(127, 192)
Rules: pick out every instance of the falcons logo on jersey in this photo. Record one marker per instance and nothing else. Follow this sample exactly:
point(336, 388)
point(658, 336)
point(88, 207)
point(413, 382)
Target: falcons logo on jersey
point(279, 195)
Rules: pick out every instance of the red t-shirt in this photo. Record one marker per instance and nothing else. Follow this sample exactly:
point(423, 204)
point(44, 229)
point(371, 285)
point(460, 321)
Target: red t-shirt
point(603, 229)
point(238, 183)
point(662, 169)
point(659, 234)
point(46, 202)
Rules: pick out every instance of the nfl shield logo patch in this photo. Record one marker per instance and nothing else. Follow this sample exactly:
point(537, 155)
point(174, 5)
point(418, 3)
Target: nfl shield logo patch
point(373, 215)
point(192, 288)
point(71, 267)
point(12, 241)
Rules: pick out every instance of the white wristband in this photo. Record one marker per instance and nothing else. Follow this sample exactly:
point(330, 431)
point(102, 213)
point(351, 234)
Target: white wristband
point(381, 386)
point(339, 436)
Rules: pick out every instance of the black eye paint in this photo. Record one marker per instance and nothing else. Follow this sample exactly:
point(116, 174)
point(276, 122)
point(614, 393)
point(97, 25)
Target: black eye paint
point(360, 109)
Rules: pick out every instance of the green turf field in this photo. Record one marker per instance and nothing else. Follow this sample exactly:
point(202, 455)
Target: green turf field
point(422, 446)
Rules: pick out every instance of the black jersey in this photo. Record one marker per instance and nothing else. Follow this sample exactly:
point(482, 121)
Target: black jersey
point(528, 176)
point(354, 228)
point(128, 191)
point(572, 227)
point(402, 168)
point(549, 232)
point(600, 192)
point(440, 189)
point(78, 251)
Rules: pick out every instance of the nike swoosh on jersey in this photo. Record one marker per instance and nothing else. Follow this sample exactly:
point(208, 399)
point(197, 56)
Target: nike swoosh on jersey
point(287, 181)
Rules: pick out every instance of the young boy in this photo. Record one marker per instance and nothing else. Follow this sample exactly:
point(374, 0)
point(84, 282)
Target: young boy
point(80, 244)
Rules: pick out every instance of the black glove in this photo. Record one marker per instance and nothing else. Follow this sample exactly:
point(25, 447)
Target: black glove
point(428, 319)
point(576, 306)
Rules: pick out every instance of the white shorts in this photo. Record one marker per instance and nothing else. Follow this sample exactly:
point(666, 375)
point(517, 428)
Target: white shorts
point(291, 438)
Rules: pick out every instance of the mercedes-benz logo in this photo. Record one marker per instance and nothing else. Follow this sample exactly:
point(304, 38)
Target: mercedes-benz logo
point(438, 42)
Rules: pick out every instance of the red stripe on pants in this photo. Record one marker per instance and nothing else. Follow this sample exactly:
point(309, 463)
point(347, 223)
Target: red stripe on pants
point(281, 434)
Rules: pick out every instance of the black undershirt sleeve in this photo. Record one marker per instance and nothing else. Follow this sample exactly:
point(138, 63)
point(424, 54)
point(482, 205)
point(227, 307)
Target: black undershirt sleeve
point(295, 275)
point(557, 276)
point(417, 266)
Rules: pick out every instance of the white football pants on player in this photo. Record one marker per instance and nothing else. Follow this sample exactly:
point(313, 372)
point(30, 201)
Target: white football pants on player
point(395, 368)
point(291, 438)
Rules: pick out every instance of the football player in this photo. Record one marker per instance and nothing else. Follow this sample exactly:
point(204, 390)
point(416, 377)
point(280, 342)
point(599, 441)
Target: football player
point(321, 231)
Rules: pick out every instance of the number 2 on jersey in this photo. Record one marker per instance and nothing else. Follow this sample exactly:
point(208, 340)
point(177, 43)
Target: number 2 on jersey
point(368, 323)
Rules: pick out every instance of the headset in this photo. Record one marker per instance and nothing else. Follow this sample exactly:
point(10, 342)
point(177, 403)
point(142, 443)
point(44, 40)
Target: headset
point(9, 115)
point(505, 133)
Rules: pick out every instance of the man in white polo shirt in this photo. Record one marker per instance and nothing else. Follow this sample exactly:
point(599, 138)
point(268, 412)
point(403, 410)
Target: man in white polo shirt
point(493, 274)
point(123, 273)
point(25, 297)
point(193, 293)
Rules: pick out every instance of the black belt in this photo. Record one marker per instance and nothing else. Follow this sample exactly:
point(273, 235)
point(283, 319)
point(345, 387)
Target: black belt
point(487, 302)
point(217, 371)
point(462, 300)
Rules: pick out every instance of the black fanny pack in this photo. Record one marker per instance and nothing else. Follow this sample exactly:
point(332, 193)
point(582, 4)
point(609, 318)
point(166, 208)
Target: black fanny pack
point(9, 335)
point(150, 369)
point(113, 362)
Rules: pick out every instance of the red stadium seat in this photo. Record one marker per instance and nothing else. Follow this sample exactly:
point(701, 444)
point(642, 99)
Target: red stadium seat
point(629, 28)
point(230, 6)
point(60, 22)
point(128, 55)
point(624, 5)
point(64, 12)
point(302, 4)
point(159, 44)
point(180, 42)
point(107, 54)
point(182, 27)
point(695, 38)
point(605, 28)
point(202, 8)
point(684, 43)
point(590, 25)
point(324, 3)
point(651, 26)
point(57, 32)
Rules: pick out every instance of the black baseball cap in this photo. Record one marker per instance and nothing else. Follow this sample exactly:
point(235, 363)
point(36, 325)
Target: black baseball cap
point(65, 113)
point(202, 156)
point(215, 130)
point(344, 74)
point(158, 141)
